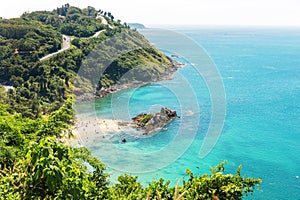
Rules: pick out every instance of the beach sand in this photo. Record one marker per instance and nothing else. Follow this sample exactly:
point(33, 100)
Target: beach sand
point(92, 129)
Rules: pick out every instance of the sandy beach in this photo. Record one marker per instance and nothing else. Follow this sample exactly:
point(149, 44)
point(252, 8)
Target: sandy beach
point(91, 129)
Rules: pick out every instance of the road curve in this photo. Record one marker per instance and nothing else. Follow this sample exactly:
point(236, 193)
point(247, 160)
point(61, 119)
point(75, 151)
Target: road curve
point(67, 44)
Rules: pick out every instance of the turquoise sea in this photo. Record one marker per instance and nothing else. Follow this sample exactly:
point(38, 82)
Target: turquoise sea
point(260, 69)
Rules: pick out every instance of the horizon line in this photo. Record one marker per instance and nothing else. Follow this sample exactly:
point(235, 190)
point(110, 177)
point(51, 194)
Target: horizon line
point(224, 25)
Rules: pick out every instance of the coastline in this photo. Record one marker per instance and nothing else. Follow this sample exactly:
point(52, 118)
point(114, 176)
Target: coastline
point(104, 91)
point(90, 129)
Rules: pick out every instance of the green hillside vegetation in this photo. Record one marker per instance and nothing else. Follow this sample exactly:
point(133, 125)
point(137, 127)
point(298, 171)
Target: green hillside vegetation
point(42, 86)
point(70, 20)
point(37, 114)
point(27, 39)
point(120, 54)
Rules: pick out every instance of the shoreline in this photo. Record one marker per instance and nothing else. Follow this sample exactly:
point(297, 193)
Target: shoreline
point(89, 129)
point(105, 91)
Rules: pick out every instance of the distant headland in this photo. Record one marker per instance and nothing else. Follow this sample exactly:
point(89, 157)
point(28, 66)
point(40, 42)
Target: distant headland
point(136, 25)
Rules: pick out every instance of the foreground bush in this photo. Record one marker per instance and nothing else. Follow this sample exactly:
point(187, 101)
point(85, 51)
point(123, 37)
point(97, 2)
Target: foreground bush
point(51, 170)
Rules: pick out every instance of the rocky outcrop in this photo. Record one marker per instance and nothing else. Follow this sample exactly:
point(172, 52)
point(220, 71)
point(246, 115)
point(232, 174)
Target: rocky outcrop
point(153, 121)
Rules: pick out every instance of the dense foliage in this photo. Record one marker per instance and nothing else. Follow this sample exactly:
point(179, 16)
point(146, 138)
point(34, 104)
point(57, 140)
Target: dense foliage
point(70, 20)
point(36, 114)
point(42, 85)
point(27, 37)
point(16, 131)
point(208, 186)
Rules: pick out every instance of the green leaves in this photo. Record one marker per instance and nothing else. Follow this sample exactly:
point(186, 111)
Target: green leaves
point(214, 186)
point(16, 132)
point(127, 188)
point(52, 170)
point(76, 22)
point(219, 185)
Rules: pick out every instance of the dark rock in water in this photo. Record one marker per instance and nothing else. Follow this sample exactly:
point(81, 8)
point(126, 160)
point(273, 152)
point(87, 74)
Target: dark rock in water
point(123, 140)
point(152, 121)
point(175, 56)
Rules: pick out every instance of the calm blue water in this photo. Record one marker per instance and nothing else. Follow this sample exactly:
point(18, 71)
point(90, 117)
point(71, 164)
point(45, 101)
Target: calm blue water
point(260, 69)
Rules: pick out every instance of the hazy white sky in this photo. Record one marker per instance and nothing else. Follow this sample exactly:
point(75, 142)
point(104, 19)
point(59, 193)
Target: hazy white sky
point(202, 12)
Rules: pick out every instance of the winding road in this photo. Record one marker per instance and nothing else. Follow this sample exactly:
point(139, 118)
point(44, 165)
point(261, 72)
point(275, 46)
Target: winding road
point(67, 39)
point(98, 33)
point(104, 21)
point(67, 44)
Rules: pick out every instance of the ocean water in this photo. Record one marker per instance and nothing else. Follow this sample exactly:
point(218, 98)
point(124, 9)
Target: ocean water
point(260, 72)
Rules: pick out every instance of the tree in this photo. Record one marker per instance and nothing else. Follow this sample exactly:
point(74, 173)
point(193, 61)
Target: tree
point(51, 170)
point(219, 185)
point(201, 187)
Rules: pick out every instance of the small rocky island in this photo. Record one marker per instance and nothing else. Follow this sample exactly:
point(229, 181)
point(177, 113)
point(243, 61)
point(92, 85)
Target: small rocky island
point(153, 121)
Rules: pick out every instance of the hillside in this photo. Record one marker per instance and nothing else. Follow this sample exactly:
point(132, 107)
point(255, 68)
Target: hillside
point(42, 85)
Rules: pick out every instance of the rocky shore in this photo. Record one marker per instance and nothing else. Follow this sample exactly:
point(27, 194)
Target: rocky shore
point(104, 91)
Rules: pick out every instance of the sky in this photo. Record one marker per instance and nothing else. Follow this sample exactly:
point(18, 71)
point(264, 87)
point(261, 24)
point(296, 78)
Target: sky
point(188, 12)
